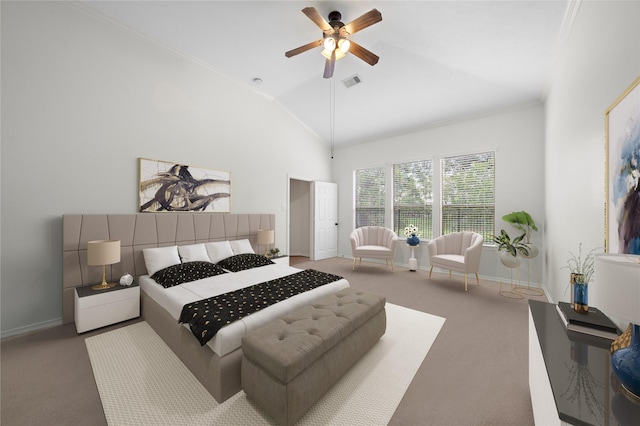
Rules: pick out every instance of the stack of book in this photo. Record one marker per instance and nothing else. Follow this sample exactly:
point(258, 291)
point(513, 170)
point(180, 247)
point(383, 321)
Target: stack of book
point(594, 322)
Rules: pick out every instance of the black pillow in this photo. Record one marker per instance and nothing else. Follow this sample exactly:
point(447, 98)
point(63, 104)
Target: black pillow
point(240, 262)
point(186, 272)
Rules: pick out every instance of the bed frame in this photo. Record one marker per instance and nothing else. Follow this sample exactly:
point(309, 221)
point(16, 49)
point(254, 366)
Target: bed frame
point(219, 375)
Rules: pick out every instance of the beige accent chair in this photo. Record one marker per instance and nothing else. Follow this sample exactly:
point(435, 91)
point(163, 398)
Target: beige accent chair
point(373, 242)
point(458, 251)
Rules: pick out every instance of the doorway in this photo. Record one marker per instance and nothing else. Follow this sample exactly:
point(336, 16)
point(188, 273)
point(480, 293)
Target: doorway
point(313, 215)
point(299, 219)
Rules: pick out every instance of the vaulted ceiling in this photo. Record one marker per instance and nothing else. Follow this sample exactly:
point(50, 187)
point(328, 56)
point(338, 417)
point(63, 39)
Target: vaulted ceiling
point(439, 60)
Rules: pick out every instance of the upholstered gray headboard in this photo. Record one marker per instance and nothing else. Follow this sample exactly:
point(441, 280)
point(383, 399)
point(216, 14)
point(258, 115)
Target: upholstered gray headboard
point(139, 231)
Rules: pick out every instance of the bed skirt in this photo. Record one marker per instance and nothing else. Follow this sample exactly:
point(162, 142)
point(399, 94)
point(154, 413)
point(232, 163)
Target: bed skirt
point(219, 375)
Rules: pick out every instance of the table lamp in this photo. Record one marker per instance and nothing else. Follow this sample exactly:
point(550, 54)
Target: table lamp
point(103, 252)
point(265, 238)
point(616, 291)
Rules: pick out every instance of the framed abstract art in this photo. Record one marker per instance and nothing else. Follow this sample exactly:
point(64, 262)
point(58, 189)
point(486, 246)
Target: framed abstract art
point(622, 168)
point(173, 187)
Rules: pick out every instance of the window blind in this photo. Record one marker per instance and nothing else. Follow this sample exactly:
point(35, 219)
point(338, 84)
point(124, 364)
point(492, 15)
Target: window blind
point(468, 194)
point(413, 197)
point(370, 189)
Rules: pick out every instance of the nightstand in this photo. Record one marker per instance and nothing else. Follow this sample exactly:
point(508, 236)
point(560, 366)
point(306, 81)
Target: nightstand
point(98, 308)
point(281, 259)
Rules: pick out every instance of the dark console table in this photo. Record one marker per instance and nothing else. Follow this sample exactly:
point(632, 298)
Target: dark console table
point(570, 377)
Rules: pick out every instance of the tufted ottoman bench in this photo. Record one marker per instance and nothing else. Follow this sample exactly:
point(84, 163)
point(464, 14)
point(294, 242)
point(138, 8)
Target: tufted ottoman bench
point(289, 363)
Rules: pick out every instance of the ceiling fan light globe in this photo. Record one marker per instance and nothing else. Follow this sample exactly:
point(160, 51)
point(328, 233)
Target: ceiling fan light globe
point(343, 45)
point(329, 44)
point(327, 54)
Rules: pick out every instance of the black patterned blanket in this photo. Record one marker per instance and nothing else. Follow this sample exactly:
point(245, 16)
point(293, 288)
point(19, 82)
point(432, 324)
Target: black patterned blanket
point(206, 317)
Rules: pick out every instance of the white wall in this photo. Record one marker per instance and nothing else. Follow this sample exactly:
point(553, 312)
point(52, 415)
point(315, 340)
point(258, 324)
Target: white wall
point(82, 100)
point(601, 59)
point(516, 135)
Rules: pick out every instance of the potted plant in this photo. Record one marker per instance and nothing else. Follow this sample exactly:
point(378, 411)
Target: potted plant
point(581, 270)
point(524, 222)
point(412, 234)
point(509, 249)
point(274, 252)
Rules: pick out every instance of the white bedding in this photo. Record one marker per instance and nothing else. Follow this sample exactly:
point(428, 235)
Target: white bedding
point(229, 338)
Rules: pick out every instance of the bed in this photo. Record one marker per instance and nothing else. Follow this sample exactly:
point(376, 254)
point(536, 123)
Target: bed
point(215, 364)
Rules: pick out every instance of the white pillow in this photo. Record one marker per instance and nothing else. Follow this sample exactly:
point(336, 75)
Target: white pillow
point(218, 250)
point(241, 246)
point(159, 258)
point(193, 253)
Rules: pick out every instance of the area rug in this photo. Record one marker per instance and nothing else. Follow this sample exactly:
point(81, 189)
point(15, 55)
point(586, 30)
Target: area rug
point(142, 382)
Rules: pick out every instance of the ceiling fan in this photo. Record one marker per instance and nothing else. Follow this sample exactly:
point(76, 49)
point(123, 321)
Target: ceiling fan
point(335, 38)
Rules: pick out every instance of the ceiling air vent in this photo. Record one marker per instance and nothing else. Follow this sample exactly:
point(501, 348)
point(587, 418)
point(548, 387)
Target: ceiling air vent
point(352, 81)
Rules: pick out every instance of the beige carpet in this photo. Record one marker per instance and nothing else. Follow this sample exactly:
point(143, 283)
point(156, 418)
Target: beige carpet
point(142, 382)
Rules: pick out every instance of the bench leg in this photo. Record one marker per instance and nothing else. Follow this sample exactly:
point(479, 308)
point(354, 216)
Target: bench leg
point(392, 266)
point(477, 279)
point(465, 282)
point(430, 270)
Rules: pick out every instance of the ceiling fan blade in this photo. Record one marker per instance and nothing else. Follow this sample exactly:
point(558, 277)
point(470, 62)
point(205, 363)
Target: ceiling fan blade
point(330, 65)
point(313, 14)
point(364, 54)
point(364, 21)
point(301, 49)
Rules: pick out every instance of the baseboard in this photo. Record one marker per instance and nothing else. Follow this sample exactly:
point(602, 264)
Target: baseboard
point(31, 328)
point(518, 283)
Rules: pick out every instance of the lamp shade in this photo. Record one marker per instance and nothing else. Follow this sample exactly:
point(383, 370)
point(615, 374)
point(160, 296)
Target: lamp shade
point(616, 289)
point(617, 293)
point(103, 252)
point(266, 236)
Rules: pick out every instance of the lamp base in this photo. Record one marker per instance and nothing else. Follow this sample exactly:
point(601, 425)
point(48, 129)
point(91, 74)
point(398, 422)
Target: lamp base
point(630, 395)
point(625, 411)
point(103, 286)
point(626, 366)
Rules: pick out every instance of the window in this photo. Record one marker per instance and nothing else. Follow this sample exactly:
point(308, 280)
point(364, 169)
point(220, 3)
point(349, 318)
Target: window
point(468, 194)
point(466, 199)
point(413, 197)
point(370, 196)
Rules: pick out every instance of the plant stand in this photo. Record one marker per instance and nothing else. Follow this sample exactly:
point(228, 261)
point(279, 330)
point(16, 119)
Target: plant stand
point(413, 263)
point(528, 290)
point(510, 293)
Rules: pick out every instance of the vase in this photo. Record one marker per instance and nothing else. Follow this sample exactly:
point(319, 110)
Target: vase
point(509, 260)
point(581, 297)
point(625, 364)
point(413, 240)
point(532, 250)
point(580, 353)
point(573, 278)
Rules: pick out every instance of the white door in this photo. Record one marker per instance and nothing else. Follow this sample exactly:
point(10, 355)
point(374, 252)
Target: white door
point(325, 220)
